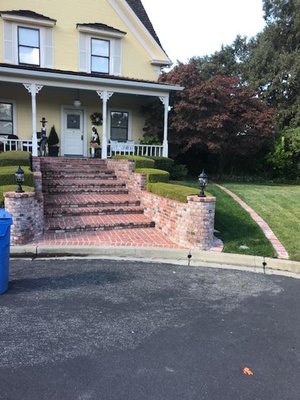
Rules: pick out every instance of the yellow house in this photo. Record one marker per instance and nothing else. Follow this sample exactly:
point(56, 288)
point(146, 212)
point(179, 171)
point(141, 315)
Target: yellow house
point(68, 60)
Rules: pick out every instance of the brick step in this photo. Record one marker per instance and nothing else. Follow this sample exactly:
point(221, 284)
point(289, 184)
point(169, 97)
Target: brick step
point(72, 161)
point(97, 223)
point(113, 189)
point(89, 200)
point(103, 174)
point(75, 167)
point(95, 210)
point(81, 183)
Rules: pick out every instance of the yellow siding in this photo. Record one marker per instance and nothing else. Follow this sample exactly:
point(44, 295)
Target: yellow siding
point(135, 59)
point(50, 103)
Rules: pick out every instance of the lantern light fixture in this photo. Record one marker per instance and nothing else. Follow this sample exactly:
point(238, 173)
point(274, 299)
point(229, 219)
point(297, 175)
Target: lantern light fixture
point(203, 180)
point(19, 179)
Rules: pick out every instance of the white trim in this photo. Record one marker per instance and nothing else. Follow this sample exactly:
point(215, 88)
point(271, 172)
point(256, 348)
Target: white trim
point(14, 104)
point(119, 109)
point(87, 39)
point(147, 35)
point(159, 63)
point(100, 32)
point(27, 20)
point(42, 43)
point(55, 79)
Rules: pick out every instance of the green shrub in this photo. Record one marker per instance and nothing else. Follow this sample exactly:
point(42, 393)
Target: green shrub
point(15, 158)
point(179, 172)
point(11, 188)
point(7, 175)
point(170, 191)
point(140, 162)
point(154, 175)
point(150, 139)
point(163, 163)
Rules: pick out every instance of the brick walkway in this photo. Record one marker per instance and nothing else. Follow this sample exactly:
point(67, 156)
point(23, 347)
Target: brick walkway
point(270, 235)
point(147, 237)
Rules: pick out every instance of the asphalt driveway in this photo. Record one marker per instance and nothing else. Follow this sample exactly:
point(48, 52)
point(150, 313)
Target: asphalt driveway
point(116, 330)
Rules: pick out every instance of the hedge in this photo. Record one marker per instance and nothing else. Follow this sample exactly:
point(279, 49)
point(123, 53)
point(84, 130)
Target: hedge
point(154, 175)
point(170, 191)
point(140, 162)
point(163, 163)
point(11, 188)
point(7, 175)
point(15, 158)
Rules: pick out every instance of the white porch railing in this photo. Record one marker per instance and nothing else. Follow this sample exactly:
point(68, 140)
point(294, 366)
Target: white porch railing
point(126, 148)
point(115, 148)
point(15, 144)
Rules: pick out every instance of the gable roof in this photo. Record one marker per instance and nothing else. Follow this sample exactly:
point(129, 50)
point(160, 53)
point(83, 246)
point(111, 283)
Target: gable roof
point(142, 15)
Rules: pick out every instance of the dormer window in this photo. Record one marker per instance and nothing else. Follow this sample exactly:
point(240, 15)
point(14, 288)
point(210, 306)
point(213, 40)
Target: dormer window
point(100, 56)
point(100, 48)
point(29, 46)
point(28, 38)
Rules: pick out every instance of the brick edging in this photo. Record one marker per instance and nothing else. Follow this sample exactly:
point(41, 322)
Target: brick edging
point(269, 234)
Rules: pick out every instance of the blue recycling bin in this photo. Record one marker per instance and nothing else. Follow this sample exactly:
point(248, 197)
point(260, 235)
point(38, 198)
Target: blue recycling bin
point(5, 223)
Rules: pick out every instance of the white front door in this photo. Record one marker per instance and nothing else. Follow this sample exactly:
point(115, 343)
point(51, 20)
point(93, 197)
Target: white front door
point(73, 132)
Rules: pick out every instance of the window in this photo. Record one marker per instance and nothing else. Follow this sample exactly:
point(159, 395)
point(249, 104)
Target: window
point(119, 125)
point(29, 46)
point(100, 50)
point(6, 118)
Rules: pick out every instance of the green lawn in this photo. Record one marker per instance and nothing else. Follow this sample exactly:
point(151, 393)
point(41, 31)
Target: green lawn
point(9, 162)
point(235, 227)
point(279, 205)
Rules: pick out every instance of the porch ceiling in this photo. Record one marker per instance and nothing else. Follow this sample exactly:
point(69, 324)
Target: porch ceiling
point(84, 81)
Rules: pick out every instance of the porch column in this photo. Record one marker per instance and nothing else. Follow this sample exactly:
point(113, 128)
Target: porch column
point(105, 95)
point(165, 101)
point(33, 89)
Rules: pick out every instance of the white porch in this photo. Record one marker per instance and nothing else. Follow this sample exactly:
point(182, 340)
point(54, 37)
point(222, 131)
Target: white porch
point(37, 82)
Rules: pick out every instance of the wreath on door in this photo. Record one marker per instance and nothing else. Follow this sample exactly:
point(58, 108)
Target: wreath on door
point(96, 118)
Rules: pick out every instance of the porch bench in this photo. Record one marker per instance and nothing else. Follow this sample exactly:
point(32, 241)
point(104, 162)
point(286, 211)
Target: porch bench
point(122, 147)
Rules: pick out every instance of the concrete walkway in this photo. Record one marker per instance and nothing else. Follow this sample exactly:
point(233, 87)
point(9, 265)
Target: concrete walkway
point(270, 235)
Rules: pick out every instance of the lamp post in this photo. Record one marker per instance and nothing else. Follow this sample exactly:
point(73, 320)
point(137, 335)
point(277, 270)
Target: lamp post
point(203, 179)
point(20, 179)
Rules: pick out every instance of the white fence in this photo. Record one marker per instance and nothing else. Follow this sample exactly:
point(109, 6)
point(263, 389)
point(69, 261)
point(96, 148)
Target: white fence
point(113, 148)
point(128, 148)
point(15, 144)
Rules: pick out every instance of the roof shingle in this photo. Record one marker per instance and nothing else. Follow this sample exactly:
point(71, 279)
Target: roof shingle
point(141, 13)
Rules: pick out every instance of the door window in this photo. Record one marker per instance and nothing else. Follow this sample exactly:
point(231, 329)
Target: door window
point(73, 121)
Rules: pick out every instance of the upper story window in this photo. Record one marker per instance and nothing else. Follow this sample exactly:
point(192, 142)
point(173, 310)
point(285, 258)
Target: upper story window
point(6, 118)
point(100, 48)
point(100, 56)
point(28, 46)
point(28, 38)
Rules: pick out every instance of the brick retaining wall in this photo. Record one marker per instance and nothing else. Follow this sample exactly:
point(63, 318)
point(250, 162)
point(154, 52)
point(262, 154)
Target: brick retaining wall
point(189, 224)
point(27, 210)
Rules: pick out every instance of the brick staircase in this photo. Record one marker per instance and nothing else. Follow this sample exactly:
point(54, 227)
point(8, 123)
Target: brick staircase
point(83, 195)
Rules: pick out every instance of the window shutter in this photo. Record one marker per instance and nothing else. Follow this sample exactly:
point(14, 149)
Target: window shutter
point(9, 43)
point(116, 57)
point(48, 48)
point(83, 51)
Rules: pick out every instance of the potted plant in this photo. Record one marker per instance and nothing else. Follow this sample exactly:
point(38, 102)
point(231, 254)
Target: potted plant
point(53, 141)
